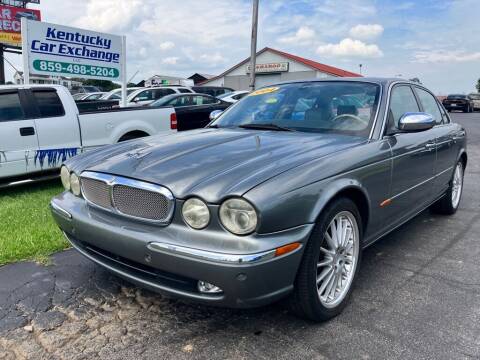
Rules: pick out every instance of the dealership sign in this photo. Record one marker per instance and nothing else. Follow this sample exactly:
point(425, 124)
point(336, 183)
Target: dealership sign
point(56, 50)
point(269, 68)
point(10, 23)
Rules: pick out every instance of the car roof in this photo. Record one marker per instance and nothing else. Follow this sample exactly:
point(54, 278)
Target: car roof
point(31, 86)
point(375, 80)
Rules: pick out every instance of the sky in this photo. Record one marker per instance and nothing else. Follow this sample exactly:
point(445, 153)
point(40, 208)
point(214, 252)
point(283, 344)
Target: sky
point(437, 41)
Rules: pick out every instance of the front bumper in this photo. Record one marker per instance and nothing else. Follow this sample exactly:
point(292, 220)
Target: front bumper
point(157, 258)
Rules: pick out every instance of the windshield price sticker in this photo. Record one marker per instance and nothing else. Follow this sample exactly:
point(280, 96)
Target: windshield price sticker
point(265, 91)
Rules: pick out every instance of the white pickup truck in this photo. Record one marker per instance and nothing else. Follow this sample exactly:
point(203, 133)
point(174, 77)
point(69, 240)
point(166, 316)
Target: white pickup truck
point(41, 126)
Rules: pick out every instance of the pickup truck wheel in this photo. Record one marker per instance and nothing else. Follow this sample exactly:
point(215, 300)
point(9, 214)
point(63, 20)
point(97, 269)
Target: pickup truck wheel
point(133, 135)
point(449, 203)
point(330, 263)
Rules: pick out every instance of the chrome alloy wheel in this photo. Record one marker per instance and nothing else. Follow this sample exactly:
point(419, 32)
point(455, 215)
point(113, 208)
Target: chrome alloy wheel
point(338, 259)
point(457, 185)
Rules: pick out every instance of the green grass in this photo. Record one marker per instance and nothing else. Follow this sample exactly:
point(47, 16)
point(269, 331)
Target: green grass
point(27, 229)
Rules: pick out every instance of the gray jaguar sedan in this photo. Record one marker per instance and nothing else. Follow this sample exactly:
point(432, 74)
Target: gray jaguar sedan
point(277, 196)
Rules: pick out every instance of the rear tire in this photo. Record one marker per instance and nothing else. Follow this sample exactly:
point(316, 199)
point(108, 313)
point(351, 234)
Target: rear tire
point(326, 275)
point(450, 202)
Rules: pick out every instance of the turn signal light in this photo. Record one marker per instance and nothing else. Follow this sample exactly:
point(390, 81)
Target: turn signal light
point(286, 249)
point(173, 121)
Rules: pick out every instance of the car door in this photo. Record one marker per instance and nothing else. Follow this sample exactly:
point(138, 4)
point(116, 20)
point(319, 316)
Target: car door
point(143, 98)
point(57, 130)
point(199, 115)
point(18, 136)
point(413, 158)
point(445, 134)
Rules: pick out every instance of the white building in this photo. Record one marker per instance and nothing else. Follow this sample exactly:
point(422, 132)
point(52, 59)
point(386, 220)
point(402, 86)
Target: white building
point(158, 80)
point(274, 66)
point(46, 79)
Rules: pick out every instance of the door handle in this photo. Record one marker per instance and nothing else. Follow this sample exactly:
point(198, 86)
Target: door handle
point(430, 146)
point(27, 131)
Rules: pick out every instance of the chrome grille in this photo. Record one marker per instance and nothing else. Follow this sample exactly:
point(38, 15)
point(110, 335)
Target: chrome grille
point(127, 197)
point(140, 203)
point(97, 192)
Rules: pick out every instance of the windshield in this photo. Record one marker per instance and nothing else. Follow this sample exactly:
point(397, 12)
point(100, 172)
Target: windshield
point(475, 96)
point(450, 97)
point(337, 106)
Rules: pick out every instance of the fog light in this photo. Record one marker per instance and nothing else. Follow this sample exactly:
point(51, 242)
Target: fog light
point(207, 288)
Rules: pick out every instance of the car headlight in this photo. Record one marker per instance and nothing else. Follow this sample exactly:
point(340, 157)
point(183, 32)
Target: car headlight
point(195, 213)
point(75, 184)
point(238, 216)
point(65, 177)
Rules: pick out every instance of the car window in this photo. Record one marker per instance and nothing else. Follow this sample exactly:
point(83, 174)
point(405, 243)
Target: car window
point(429, 104)
point(180, 101)
point(159, 93)
point(10, 107)
point(184, 91)
point(49, 104)
point(446, 119)
point(308, 107)
point(402, 100)
point(203, 100)
point(144, 96)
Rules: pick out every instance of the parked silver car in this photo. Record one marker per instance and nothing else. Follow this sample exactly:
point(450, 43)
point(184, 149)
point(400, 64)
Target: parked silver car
point(277, 197)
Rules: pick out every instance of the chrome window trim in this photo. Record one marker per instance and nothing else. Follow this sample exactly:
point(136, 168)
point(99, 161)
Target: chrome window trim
point(377, 113)
point(113, 180)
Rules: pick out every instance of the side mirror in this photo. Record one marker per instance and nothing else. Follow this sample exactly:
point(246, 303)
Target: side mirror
point(215, 114)
point(419, 121)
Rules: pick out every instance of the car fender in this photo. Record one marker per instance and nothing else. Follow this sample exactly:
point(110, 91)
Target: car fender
point(333, 189)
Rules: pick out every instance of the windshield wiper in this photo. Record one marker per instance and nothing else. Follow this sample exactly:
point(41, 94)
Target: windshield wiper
point(265, 127)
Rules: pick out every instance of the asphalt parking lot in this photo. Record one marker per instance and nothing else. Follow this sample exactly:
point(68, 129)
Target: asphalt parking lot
point(417, 297)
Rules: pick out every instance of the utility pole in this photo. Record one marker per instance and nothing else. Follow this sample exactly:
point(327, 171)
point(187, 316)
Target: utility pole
point(360, 66)
point(2, 66)
point(253, 50)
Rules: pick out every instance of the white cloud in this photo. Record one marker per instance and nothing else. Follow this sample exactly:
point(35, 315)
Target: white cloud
point(350, 48)
point(110, 15)
point(366, 32)
point(303, 36)
point(443, 56)
point(213, 59)
point(171, 60)
point(167, 45)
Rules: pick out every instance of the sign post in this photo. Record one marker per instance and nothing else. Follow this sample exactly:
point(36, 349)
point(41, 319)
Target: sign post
point(57, 50)
point(124, 72)
point(26, 69)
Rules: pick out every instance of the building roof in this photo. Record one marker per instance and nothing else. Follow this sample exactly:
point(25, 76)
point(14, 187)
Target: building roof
point(310, 63)
point(205, 76)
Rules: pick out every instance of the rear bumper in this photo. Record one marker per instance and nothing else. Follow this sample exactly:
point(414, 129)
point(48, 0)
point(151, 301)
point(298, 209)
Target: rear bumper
point(157, 263)
point(455, 107)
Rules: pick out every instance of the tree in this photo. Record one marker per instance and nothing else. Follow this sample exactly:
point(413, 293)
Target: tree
point(105, 85)
point(478, 85)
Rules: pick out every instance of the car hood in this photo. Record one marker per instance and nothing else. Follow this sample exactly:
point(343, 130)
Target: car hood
point(212, 163)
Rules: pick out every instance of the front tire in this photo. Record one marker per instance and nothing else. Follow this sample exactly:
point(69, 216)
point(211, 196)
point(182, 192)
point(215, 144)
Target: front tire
point(330, 263)
point(450, 202)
